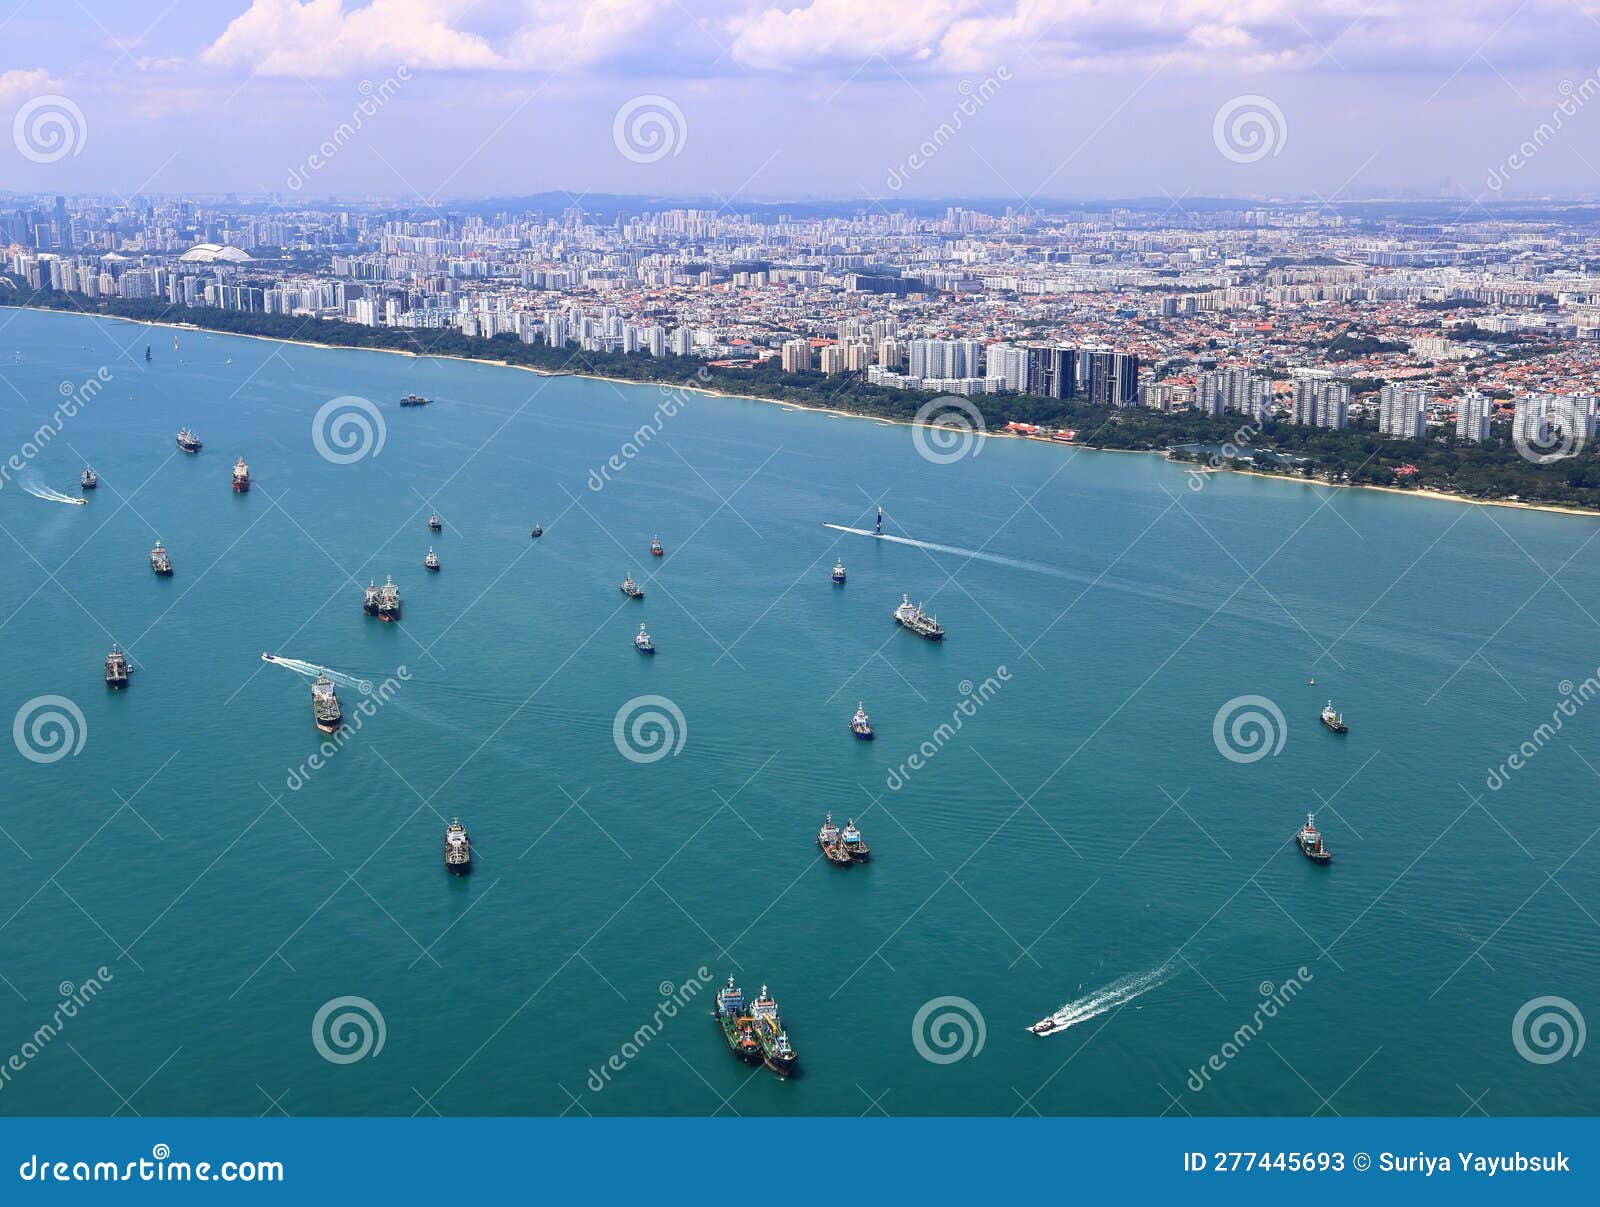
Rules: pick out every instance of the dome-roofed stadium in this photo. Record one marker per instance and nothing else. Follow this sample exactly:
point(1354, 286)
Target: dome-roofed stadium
point(210, 253)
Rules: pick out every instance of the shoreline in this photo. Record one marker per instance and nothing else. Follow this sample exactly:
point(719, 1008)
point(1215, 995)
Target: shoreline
point(1435, 495)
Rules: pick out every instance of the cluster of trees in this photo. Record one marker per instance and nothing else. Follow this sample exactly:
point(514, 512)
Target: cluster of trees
point(1358, 454)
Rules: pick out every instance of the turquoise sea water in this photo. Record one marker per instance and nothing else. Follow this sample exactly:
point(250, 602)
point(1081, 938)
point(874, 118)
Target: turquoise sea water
point(1079, 839)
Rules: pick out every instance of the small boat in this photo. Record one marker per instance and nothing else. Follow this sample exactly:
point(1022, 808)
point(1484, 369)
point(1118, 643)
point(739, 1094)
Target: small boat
point(415, 400)
point(1310, 840)
point(188, 441)
point(241, 477)
point(851, 843)
point(642, 642)
point(538, 530)
point(860, 725)
point(1046, 1025)
point(838, 573)
point(655, 547)
point(877, 529)
point(147, 352)
point(435, 524)
point(116, 668)
point(325, 710)
point(738, 1028)
point(631, 589)
point(1332, 719)
point(89, 480)
point(159, 561)
point(369, 603)
point(432, 560)
point(457, 848)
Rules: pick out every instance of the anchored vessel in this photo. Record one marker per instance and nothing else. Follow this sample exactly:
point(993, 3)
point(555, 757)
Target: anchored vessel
point(655, 547)
point(432, 560)
point(457, 848)
point(241, 477)
point(1310, 839)
point(738, 1028)
point(838, 573)
point(538, 530)
point(369, 603)
point(159, 561)
point(850, 842)
point(415, 400)
point(188, 441)
point(859, 725)
point(631, 589)
point(147, 352)
point(1332, 719)
point(89, 480)
point(325, 708)
point(828, 840)
point(435, 524)
point(911, 616)
point(116, 668)
point(388, 600)
point(642, 642)
point(774, 1040)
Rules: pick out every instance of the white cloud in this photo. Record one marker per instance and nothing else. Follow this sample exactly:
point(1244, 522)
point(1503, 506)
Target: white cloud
point(320, 38)
point(23, 84)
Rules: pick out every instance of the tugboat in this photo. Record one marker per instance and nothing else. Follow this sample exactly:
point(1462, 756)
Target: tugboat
point(369, 604)
point(631, 589)
point(325, 708)
point(415, 400)
point(159, 561)
point(655, 546)
point(432, 560)
point(859, 725)
point(911, 616)
point(738, 1028)
point(388, 600)
point(188, 441)
point(241, 477)
point(851, 844)
point(1332, 719)
point(838, 573)
point(116, 668)
point(538, 530)
point(435, 524)
point(147, 353)
point(457, 848)
point(642, 642)
point(828, 840)
point(774, 1040)
point(1310, 839)
point(89, 480)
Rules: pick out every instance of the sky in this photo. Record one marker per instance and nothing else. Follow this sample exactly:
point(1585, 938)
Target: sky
point(1026, 100)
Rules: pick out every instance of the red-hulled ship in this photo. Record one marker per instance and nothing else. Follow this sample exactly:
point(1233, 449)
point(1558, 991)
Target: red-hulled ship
point(241, 477)
point(1310, 840)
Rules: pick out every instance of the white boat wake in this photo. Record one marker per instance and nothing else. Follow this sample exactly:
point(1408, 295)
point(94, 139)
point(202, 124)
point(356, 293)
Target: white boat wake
point(51, 496)
point(1015, 563)
point(1098, 1001)
point(311, 670)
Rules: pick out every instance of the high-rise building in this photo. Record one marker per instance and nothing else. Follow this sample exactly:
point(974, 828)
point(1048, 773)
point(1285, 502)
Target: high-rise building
point(832, 359)
point(1053, 372)
point(1403, 410)
point(1319, 401)
point(1011, 363)
point(1472, 416)
point(1110, 378)
point(797, 356)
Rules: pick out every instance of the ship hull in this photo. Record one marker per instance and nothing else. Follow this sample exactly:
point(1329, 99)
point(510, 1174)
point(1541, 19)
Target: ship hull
point(329, 726)
point(369, 611)
point(732, 1036)
point(116, 684)
point(864, 736)
point(1336, 727)
point(167, 573)
point(919, 632)
point(780, 1066)
point(459, 869)
point(189, 448)
point(240, 488)
point(1315, 856)
point(388, 616)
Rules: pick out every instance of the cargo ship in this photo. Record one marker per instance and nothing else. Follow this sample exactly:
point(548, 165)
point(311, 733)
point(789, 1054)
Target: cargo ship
point(415, 400)
point(631, 589)
point(1333, 720)
point(911, 616)
point(1310, 840)
point(738, 1028)
point(388, 600)
point(159, 561)
point(188, 441)
point(325, 708)
point(241, 477)
point(457, 848)
point(774, 1040)
point(642, 642)
point(838, 573)
point(369, 603)
point(116, 668)
point(860, 725)
point(655, 547)
point(435, 524)
point(432, 560)
point(828, 840)
point(89, 480)
point(851, 843)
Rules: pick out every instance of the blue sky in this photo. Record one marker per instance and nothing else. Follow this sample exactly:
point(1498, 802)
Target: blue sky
point(748, 98)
